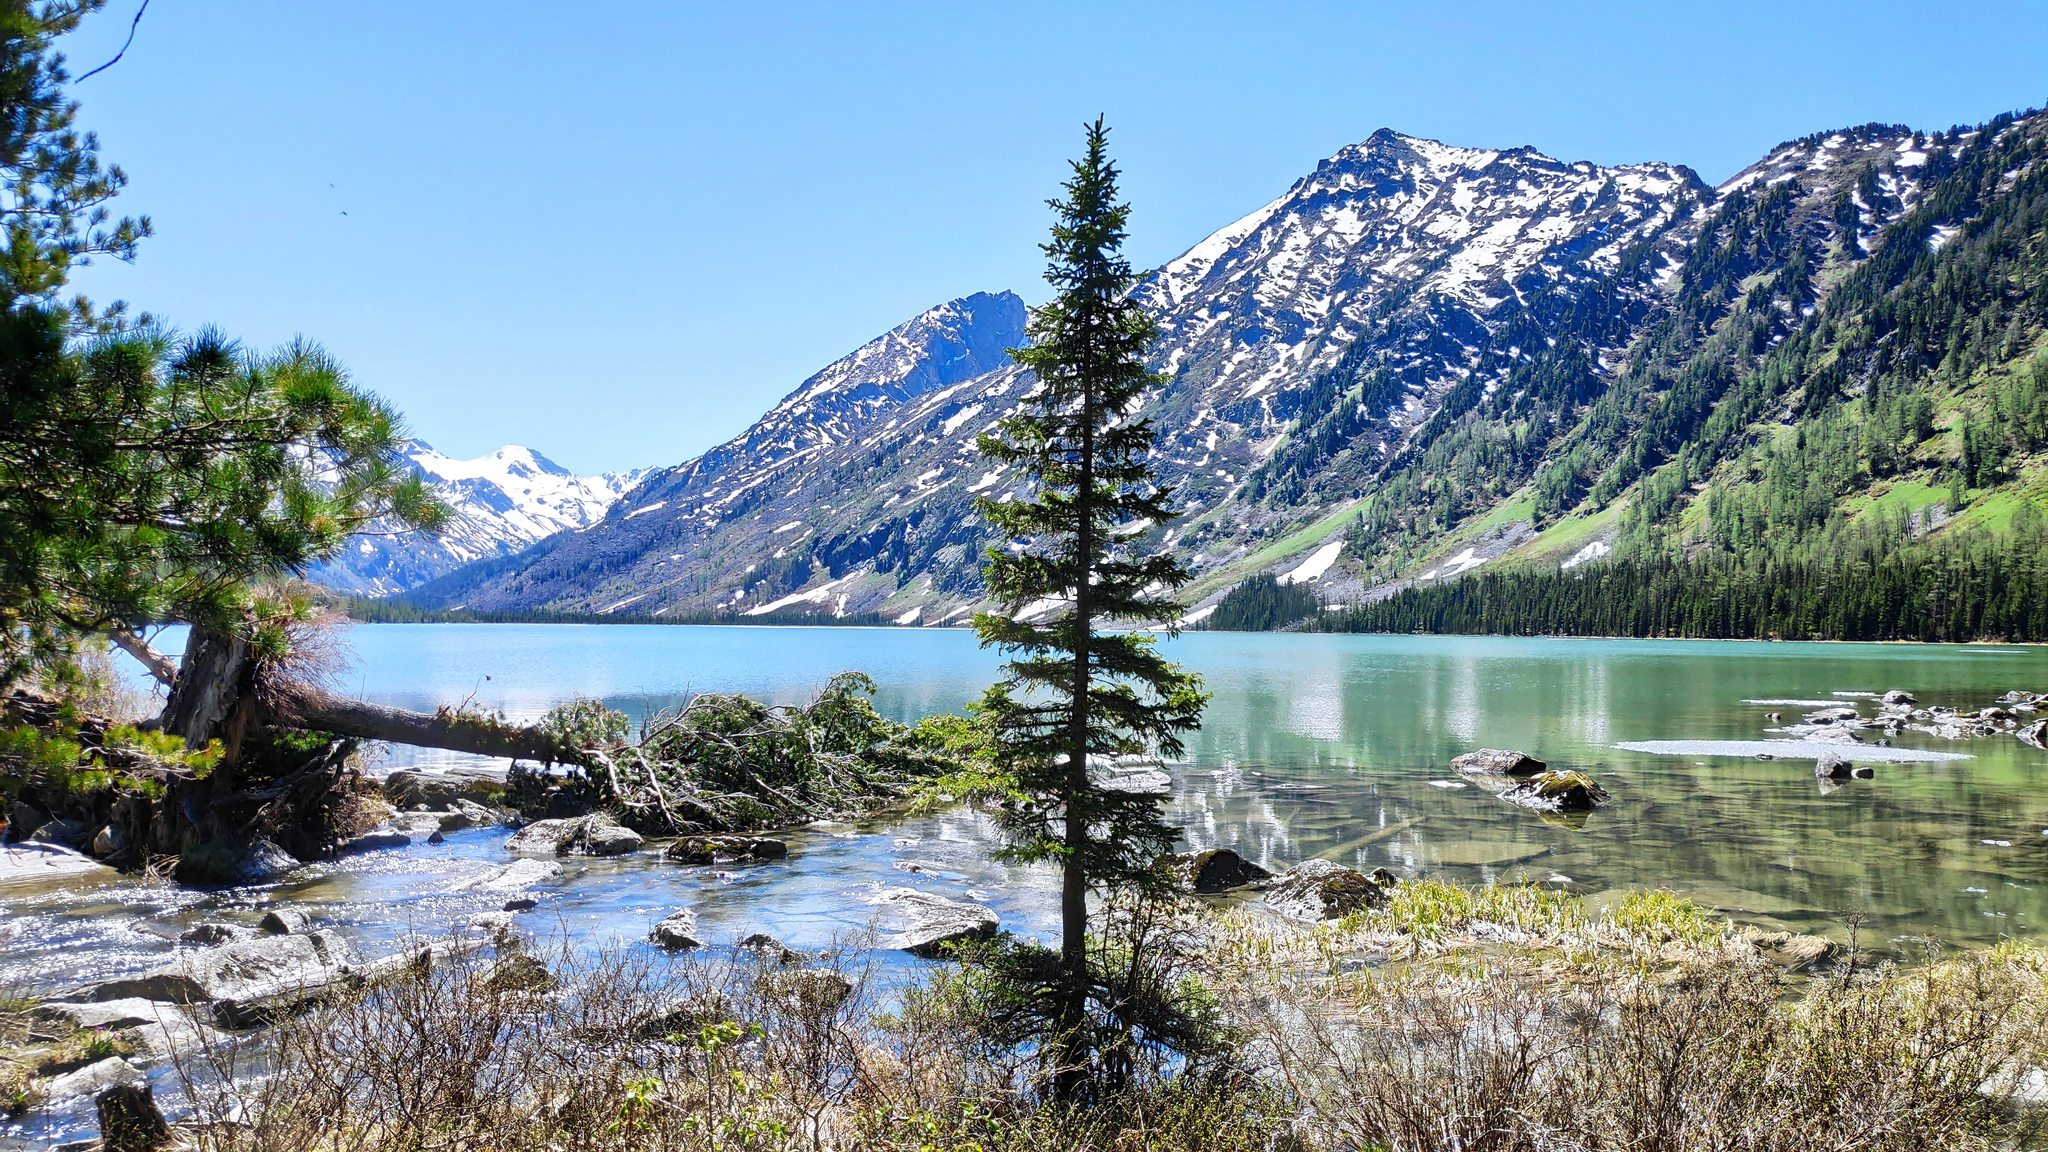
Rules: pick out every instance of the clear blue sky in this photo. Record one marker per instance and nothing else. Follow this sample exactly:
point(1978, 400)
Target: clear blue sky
point(617, 232)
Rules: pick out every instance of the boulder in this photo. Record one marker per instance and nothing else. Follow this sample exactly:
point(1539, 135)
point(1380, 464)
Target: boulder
point(94, 1079)
point(1898, 699)
point(2035, 734)
point(1324, 890)
point(520, 904)
point(1218, 870)
point(110, 1015)
point(463, 814)
point(1496, 762)
point(677, 932)
point(1568, 791)
point(1830, 765)
point(283, 922)
point(108, 841)
point(726, 849)
point(594, 835)
point(924, 924)
point(1840, 714)
point(65, 833)
point(244, 970)
point(813, 988)
point(1995, 715)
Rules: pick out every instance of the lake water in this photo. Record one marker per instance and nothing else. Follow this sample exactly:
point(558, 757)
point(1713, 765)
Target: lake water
point(1313, 745)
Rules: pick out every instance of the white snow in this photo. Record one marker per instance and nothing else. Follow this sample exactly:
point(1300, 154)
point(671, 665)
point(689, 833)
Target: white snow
point(792, 525)
point(644, 509)
point(1197, 616)
point(1317, 563)
point(911, 616)
point(1462, 563)
point(1592, 551)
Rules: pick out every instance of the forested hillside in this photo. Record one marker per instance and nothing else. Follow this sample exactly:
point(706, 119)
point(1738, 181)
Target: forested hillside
point(1850, 449)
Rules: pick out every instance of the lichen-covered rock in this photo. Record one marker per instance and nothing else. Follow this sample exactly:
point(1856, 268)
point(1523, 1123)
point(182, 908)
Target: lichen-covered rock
point(1324, 890)
point(677, 931)
point(1566, 791)
point(923, 924)
point(726, 849)
point(1218, 870)
point(593, 835)
point(1497, 762)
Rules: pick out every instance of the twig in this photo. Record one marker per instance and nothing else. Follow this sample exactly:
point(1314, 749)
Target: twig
point(132, 25)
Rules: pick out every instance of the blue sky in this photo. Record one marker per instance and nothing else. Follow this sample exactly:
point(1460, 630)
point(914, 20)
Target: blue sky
point(618, 232)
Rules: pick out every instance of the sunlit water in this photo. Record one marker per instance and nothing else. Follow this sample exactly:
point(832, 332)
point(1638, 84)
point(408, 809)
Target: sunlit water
point(1313, 745)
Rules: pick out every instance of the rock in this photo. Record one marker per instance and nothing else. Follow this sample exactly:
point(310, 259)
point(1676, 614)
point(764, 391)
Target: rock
point(1995, 715)
point(465, 814)
point(129, 1119)
point(23, 818)
point(1898, 699)
point(1323, 890)
point(67, 833)
point(513, 877)
point(925, 924)
point(244, 970)
point(2035, 734)
point(265, 861)
point(1496, 762)
point(407, 788)
point(677, 932)
point(562, 806)
point(769, 948)
point(108, 841)
point(520, 904)
point(726, 849)
point(1828, 716)
point(1774, 717)
point(211, 933)
point(1568, 791)
point(1830, 765)
point(496, 925)
point(597, 835)
point(435, 837)
point(379, 840)
point(94, 1078)
point(283, 922)
point(111, 1015)
point(1218, 870)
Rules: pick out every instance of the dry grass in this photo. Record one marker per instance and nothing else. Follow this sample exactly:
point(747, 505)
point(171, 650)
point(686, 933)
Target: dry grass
point(1604, 1046)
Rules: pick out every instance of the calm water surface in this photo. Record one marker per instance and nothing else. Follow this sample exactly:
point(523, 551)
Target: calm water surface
point(1314, 745)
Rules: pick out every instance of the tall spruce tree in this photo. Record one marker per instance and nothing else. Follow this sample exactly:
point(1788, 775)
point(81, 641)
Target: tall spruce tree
point(1075, 696)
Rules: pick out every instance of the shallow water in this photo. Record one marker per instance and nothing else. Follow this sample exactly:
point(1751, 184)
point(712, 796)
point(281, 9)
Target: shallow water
point(1313, 745)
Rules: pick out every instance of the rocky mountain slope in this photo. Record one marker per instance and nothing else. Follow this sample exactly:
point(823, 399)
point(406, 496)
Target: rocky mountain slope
point(1419, 360)
point(503, 503)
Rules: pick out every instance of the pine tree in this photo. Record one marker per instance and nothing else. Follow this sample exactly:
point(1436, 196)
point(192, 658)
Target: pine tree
point(1076, 697)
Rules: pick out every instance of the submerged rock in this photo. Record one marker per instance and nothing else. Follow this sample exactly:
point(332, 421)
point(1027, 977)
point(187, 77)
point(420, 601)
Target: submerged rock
point(769, 948)
point(2035, 734)
point(1794, 950)
point(677, 931)
point(1218, 870)
point(1324, 890)
point(595, 835)
point(1568, 791)
point(1497, 762)
point(726, 849)
point(513, 877)
point(925, 923)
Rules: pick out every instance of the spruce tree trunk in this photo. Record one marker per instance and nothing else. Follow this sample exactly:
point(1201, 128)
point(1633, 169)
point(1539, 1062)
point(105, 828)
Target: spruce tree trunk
point(1074, 1046)
point(214, 697)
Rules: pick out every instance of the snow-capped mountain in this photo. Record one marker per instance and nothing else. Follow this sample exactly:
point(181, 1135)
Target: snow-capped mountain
point(502, 503)
point(1315, 350)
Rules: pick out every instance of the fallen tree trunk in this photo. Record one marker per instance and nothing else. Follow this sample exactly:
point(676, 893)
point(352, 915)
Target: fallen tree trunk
point(322, 711)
